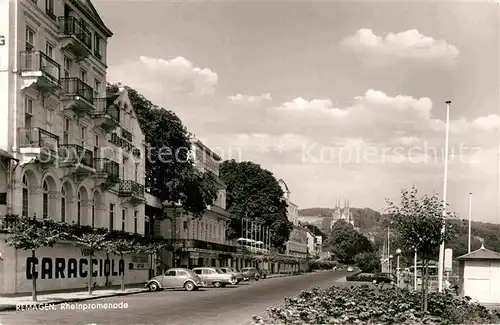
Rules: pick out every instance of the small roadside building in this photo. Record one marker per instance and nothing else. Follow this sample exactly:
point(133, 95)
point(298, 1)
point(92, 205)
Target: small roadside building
point(480, 276)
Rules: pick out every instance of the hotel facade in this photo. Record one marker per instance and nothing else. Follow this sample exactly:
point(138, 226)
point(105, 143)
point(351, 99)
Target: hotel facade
point(69, 151)
point(201, 241)
point(297, 244)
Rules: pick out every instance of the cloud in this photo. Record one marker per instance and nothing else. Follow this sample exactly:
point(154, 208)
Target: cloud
point(322, 106)
point(239, 98)
point(161, 79)
point(411, 45)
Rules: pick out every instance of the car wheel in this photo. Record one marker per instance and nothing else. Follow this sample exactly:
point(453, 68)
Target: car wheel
point(153, 286)
point(233, 282)
point(189, 286)
point(217, 284)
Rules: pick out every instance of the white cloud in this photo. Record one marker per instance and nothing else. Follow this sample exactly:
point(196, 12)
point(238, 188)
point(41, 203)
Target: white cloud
point(490, 122)
point(160, 78)
point(323, 106)
point(410, 44)
point(239, 98)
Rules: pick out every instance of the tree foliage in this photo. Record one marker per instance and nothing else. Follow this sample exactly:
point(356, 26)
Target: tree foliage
point(368, 261)
point(29, 233)
point(254, 193)
point(170, 173)
point(345, 243)
point(419, 221)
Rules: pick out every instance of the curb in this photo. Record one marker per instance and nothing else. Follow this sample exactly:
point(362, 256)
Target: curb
point(33, 305)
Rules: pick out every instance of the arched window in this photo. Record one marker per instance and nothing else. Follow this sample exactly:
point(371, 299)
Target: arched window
point(63, 205)
point(45, 200)
point(79, 209)
point(25, 198)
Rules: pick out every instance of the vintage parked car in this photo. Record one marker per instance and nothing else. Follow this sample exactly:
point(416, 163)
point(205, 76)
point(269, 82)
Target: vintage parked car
point(238, 276)
point(214, 276)
point(174, 279)
point(385, 278)
point(250, 273)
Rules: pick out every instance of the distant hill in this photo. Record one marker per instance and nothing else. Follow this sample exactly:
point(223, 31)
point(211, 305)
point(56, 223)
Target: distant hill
point(372, 222)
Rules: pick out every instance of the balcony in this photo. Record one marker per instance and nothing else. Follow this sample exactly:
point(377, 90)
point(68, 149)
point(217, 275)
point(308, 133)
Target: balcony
point(40, 72)
point(38, 144)
point(77, 96)
point(108, 171)
point(106, 114)
point(132, 190)
point(74, 37)
point(76, 157)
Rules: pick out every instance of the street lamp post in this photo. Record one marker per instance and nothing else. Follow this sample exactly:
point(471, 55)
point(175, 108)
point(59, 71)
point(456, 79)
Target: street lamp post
point(441, 247)
point(390, 263)
point(398, 252)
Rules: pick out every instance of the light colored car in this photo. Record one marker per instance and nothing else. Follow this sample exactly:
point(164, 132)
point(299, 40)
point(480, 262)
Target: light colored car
point(214, 276)
point(350, 269)
point(238, 276)
point(174, 279)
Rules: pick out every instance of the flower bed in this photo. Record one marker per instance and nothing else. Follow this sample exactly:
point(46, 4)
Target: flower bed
point(366, 305)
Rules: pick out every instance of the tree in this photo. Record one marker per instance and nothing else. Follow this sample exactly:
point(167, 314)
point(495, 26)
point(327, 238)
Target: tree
point(90, 241)
point(170, 173)
point(255, 194)
point(121, 244)
point(345, 242)
point(368, 261)
point(32, 234)
point(419, 221)
point(153, 245)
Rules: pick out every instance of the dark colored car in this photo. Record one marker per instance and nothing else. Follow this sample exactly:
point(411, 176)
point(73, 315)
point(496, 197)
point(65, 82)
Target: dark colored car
point(250, 273)
point(384, 278)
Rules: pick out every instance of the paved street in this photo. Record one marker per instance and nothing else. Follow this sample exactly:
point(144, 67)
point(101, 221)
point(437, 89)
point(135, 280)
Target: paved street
point(225, 306)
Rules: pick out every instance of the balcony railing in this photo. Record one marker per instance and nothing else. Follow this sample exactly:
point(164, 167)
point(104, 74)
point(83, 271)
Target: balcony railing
point(103, 107)
point(70, 26)
point(38, 138)
point(75, 154)
point(107, 166)
point(131, 187)
point(75, 87)
point(33, 61)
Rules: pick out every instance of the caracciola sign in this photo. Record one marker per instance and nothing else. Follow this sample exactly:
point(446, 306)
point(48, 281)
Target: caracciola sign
point(61, 268)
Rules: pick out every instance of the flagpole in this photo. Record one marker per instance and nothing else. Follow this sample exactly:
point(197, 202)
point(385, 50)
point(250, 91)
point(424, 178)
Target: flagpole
point(470, 221)
point(445, 188)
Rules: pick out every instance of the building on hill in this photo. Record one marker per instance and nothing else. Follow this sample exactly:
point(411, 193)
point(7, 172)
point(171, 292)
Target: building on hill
point(76, 154)
point(341, 213)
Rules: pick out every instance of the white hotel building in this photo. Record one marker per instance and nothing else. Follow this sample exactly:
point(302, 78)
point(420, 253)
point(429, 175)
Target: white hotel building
point(67, 151)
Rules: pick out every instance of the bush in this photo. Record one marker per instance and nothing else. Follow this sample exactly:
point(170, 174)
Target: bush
point(368, 262)
point(322, 265)
point(367, 305)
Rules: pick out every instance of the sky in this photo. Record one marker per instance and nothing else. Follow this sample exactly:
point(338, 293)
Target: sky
point(338, 99)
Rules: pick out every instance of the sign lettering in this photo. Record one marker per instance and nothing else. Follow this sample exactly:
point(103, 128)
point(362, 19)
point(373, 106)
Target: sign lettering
point(60, 268)
point(2, 40)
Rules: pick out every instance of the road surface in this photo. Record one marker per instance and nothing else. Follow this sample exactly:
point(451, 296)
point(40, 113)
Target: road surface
point(233, 305)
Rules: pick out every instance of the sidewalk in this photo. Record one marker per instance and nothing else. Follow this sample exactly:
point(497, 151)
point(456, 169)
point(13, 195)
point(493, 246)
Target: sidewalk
point(45, 300)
